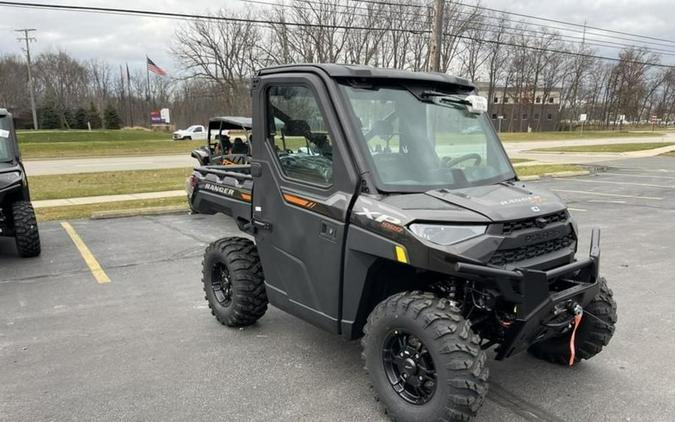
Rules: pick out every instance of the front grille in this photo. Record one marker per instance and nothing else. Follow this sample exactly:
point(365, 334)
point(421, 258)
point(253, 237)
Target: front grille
point(532, 223)
point(509, 256)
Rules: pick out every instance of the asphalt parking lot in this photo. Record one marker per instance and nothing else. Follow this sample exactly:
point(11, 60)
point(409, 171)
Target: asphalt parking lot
point(145, 347)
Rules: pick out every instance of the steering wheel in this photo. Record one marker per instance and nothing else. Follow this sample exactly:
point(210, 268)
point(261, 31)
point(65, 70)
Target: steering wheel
point(451, 162)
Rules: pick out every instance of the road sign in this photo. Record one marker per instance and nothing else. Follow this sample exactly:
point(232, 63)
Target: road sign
point(622, 118)
point(583, 117)
point(653, 119)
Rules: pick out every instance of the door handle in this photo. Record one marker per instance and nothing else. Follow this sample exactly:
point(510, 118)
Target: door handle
point(256, 169)
point(328, 230)
point(262, 225)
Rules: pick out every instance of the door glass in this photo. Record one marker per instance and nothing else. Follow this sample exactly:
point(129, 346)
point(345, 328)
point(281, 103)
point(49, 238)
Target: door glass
point(299, 135)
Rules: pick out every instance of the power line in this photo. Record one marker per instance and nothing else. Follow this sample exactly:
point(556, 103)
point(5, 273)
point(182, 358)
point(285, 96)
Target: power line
point(173, 15)
point(349, 10)
point(480, 26)
point(578, 25)
point(523, 15)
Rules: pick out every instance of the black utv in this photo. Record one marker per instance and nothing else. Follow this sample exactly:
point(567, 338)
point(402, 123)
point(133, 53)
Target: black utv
point(383, 207)
point(227, 142)
point(17, 218)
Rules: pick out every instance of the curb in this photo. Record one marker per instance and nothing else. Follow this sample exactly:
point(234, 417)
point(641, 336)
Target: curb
point(134, 212)
point(91, 200)
point(556, 175)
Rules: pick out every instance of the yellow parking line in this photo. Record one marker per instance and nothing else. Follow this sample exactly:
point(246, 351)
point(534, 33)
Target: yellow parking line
point(95, 268)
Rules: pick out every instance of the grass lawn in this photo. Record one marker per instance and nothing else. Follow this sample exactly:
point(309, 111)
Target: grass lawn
point(519, 160)
point(540, 170)
point(106, 183)
point(669, 154)
point(561, 136)
point(75, 149)
point(52, 144)
point(85, 211)
point(608, 147)
point(47, 136)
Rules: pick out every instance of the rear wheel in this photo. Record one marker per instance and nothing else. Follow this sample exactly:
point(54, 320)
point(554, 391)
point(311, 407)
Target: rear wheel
point(424, 361)
point(233, 282)
point(594, 332)
point(25, 229)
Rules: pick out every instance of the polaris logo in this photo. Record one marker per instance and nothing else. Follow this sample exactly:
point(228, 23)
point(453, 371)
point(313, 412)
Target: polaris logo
point(219, 189)
point(541, 222)
point(543, 235)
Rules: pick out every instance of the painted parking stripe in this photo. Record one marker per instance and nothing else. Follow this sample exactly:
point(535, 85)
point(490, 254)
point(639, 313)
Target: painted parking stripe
point(577, 209)
point(648, 176)
point(609, 182)
point(95, 268)
point(616, 195)
point(606, 201)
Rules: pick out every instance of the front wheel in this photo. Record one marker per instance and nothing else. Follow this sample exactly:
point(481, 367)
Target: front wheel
point(424, 361)
point(26, 229)
point(233, 282)
point(594, 332)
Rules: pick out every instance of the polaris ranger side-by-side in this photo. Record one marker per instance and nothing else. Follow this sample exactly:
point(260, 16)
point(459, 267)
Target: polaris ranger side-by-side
point(384, 206)
point(17, 218)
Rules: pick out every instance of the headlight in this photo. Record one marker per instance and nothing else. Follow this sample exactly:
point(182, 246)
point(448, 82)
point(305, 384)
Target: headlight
point(446, 235)
point(10, 178)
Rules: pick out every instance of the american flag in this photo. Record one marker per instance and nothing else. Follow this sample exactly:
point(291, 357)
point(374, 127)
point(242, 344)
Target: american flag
point(152, 67)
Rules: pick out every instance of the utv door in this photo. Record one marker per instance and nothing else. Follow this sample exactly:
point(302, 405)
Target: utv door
point(302, 191)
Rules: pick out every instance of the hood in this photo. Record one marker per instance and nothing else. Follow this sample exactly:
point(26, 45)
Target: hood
point(502, 202)
point(425, 207)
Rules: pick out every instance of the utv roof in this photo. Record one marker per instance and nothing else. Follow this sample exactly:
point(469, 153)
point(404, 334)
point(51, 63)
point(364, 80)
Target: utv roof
point(232, 122)
point(361, 71)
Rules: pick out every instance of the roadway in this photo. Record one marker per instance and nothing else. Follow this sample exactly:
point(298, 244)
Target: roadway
point(514, 149)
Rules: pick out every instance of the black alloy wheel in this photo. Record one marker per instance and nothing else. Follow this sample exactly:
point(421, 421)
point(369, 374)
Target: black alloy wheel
point(221, 284)
point(409, 367)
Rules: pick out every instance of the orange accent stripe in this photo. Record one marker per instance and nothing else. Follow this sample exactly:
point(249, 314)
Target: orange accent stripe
point(246, 197)
point(295, 200)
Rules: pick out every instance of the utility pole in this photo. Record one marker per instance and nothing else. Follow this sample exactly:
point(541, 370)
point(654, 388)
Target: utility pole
point(436, 36)
point(31, 88)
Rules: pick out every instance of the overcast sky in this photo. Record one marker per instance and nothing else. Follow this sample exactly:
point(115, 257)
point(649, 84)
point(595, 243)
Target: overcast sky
point(120, 39)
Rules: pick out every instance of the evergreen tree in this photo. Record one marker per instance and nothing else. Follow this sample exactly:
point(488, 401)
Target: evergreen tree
point(112, 118)
point(69, 119)
point(49, 117)
point(94, 117)
point(81, 118)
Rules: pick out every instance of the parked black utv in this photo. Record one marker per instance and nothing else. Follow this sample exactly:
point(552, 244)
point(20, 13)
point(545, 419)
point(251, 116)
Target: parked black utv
point(383, 206)
point(17, 218)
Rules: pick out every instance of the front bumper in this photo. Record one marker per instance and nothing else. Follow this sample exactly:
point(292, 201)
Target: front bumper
point(535, 301)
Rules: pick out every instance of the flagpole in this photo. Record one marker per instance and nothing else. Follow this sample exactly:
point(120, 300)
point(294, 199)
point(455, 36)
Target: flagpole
point(122, 105)
point(147, 92)
point(131, 104)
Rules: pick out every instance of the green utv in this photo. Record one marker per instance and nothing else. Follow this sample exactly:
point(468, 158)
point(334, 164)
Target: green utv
point(383, 207)
point(17, 218)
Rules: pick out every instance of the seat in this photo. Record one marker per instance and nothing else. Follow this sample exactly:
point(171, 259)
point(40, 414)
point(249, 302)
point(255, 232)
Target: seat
point(239, 147)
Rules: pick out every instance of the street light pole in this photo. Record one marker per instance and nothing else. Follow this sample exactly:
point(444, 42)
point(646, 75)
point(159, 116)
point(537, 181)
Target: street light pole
point(31, 87)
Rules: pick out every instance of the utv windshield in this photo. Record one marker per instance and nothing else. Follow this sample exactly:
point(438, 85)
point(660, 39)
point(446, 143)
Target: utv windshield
point(6, 153)
point(427, 140)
